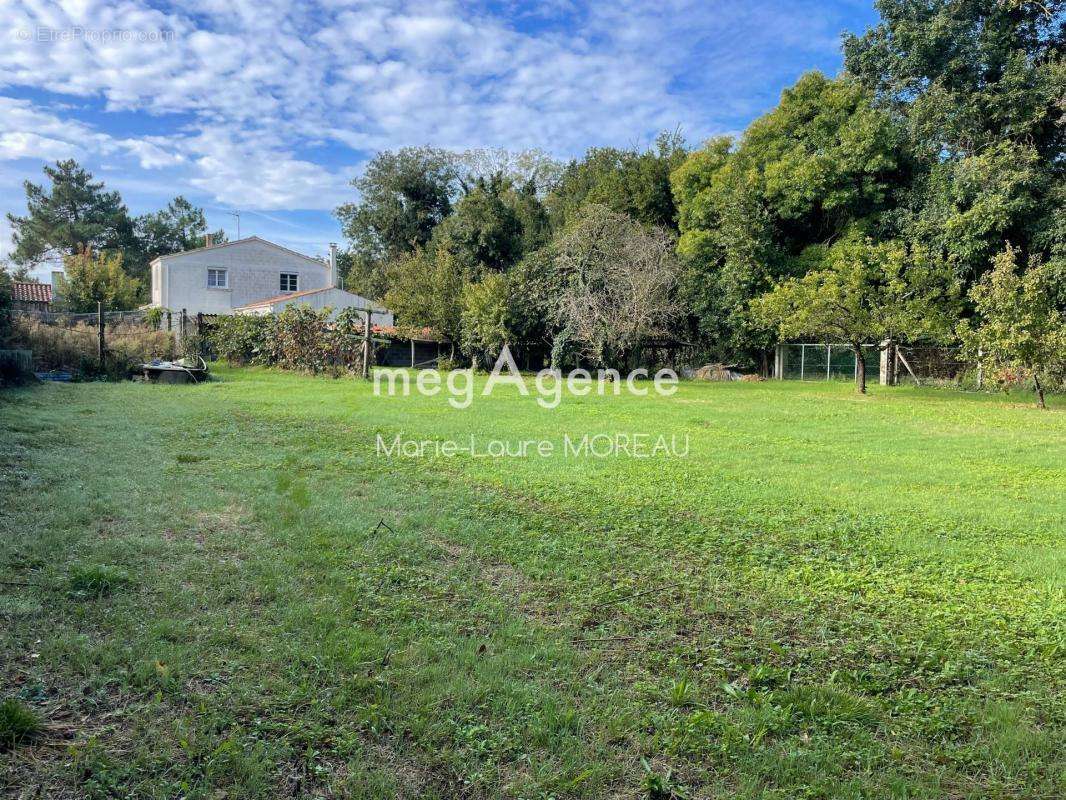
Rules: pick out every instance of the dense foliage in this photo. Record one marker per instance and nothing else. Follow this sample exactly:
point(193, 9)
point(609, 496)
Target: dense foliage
point(468, 244)
point(90, 278)
point(299, 338)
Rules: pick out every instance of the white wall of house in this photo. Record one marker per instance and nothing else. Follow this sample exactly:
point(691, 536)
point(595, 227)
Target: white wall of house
point(337, 299)
point(253, 272)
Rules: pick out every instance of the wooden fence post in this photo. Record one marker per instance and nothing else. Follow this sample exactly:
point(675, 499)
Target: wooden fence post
point(101, 345)
point(887, 372)
point(366, 346)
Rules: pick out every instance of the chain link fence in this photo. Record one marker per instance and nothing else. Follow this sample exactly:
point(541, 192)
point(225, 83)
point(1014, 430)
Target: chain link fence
point(823, 362)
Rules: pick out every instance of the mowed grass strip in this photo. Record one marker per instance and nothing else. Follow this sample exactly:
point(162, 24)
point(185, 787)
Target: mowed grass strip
point(831, 596)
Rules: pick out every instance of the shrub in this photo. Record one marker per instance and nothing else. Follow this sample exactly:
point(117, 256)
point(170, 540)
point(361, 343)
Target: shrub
point(153, 317)
point(241, 339)
point(299, 338)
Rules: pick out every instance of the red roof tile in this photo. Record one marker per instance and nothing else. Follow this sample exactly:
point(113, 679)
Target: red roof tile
point(31, 292)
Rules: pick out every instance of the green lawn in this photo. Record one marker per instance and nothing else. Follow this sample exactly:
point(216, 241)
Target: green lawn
point(831, 596)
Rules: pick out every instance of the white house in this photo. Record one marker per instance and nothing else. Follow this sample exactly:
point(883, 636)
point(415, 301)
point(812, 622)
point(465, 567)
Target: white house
point(249, 275)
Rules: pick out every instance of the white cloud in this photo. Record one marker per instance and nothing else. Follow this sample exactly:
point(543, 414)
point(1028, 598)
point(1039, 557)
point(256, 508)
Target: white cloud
point(254, 174)
point(254, 81)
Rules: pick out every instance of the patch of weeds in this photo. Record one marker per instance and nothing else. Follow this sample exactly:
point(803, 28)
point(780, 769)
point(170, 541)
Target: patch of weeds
point(93, 581)
point(190, 458)
point(704, 733)
point(827, 705)
point(154, 674)
point(765, 676)
point(18, 724)
point(681, 693)
point(660, 785)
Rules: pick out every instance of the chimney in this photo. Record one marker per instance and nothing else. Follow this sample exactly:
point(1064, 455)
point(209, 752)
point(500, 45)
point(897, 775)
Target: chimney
point(333, 265)
point(209, 240)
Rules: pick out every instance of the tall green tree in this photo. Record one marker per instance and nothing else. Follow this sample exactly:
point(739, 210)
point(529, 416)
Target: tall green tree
point(968, 75)
point(403, 196)
point(822, 165)
point(180, 226)
point(979, 86)
point(69, 214)
point(484, 232)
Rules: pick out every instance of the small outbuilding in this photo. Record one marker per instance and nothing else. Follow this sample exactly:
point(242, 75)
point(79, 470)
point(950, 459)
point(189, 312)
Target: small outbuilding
point(27, 296)
point(330, 297)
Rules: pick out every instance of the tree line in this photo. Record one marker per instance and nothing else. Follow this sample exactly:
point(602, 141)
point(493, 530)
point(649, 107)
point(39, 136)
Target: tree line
point(105, 252)
point(896, 200)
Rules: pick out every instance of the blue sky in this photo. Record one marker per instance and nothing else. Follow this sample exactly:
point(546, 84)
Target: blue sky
point(271, 108)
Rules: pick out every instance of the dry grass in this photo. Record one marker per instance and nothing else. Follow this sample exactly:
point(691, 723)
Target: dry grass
point(75, 347)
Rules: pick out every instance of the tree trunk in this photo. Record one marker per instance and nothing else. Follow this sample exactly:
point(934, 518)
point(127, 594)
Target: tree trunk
point(1039, 391)
point(764, 363)
point(860, 369)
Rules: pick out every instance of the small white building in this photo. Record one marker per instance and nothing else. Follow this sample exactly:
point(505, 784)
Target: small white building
point(221, 278)
point(318, 299)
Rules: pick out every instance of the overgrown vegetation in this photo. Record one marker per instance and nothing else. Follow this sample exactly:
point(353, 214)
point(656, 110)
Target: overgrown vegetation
point(815, 610)
point(299, 338)
point(74, 345)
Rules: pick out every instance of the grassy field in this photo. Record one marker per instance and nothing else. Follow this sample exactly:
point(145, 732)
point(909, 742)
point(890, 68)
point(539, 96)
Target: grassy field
point(221, 591)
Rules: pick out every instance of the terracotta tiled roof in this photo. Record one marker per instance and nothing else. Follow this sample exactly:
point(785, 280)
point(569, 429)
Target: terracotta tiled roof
point(269, 301)
point(31, 292)
point(290, 295)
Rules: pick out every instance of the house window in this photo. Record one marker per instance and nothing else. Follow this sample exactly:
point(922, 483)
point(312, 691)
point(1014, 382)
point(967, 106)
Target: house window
point(217, 279)
point(289, 281)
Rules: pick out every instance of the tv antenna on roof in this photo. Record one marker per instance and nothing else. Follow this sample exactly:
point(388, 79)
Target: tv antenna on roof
point(237, 214)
